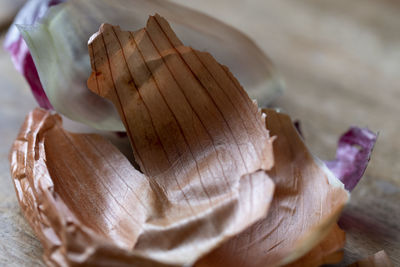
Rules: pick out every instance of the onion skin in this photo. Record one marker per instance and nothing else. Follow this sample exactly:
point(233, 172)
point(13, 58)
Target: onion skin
point(19, 51)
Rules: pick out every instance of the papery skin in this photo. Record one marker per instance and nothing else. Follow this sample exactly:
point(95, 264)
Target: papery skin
point(30, 13)
point(66, 214)
point(307, 203)
point(88, 206)
point(352, 155)
point(199, 126)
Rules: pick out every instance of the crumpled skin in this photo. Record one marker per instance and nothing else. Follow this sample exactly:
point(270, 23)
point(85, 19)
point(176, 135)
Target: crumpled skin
point(89, 206)
point(307, 202)
point(66, 239)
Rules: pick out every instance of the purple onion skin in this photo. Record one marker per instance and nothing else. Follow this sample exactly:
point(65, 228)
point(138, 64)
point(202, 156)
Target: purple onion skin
point(352, 156)
point(30, 13)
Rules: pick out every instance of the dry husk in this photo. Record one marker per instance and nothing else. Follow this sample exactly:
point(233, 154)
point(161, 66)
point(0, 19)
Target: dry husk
point(306, 205)
point(194, 133)
point(88, 205)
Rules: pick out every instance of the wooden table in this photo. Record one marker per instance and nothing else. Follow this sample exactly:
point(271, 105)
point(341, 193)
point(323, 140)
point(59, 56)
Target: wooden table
point(341, 63)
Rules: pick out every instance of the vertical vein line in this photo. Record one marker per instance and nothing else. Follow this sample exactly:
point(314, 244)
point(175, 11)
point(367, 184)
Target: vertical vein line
point(121, 107)
point(94, 170)
point(230, 101)
point(175, 118)
point(151, 120)
point(95, 68)
point(206, 91)
point(195, 112)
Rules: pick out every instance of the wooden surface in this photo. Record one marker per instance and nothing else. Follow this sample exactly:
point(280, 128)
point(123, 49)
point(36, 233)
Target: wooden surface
point(341, 64)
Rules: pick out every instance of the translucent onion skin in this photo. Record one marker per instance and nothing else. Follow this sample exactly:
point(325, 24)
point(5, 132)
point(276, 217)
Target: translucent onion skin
point(58, 45)
point(22, 58)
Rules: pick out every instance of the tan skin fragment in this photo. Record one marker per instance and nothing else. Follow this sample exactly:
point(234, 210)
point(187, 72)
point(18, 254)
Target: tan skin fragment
point(62, 182)
point(305, 208)
point(92, 200)
point(202, 131)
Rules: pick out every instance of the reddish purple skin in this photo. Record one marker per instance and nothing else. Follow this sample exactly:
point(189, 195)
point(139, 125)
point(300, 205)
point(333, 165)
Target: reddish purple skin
point(15, 44)
point(352, 156)
point(22, 57)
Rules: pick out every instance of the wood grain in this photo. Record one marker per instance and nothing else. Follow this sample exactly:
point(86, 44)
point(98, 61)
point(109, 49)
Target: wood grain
point(340, 61)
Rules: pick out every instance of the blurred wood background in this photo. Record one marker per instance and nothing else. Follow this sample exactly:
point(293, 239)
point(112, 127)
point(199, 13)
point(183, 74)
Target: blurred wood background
point(341, 64)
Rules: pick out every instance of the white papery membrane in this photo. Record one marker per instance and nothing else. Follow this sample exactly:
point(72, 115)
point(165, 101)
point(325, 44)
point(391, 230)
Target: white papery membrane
point(58, 45)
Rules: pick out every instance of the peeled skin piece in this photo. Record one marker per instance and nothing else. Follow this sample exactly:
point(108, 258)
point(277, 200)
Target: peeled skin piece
point(29, 14)
point(193, 130)
point(78, 193)
point(200, 142)
point(380, 259)
point(352, 155)
point(307, 202)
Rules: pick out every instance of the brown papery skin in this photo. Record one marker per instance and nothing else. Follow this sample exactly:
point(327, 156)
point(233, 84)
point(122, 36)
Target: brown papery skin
point(88, 205)
point(201, 144)
point(193, 130)
point(304, 211)
point(379, 259)
point(63, 184)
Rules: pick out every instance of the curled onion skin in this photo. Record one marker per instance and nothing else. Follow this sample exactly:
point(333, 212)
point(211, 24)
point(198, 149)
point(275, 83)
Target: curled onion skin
point(352, 155)
point(30, 14)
